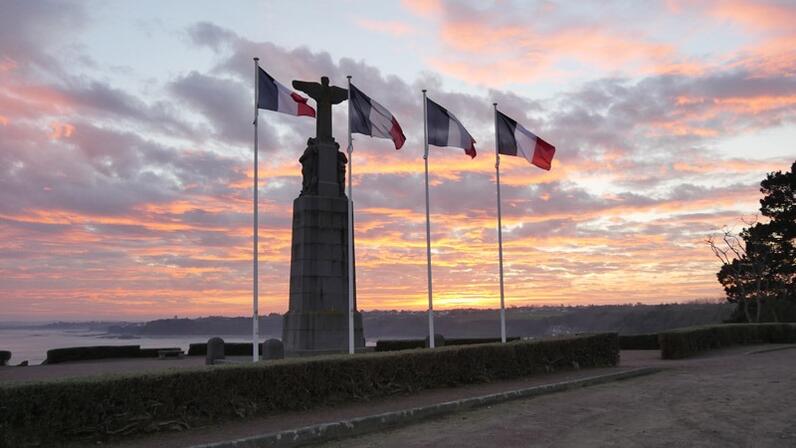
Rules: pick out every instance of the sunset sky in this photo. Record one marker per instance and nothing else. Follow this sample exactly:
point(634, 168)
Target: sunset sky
point(126, 148)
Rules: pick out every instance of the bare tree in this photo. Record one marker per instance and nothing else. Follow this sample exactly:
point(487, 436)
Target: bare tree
point(745, 270)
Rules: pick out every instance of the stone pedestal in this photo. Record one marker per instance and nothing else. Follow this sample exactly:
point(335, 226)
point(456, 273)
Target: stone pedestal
point(317, 319)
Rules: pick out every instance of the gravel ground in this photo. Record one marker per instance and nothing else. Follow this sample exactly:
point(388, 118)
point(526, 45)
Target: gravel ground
point(727, 399)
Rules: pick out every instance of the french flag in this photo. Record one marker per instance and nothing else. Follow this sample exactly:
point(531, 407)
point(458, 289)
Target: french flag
point(272, 95)
point(444, 129)
point(371, 118)
point(515, 140)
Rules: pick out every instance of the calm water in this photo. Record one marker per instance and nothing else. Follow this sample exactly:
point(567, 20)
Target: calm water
point(32, 344)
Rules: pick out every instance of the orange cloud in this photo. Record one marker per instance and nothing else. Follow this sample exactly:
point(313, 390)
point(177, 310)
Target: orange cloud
point(425, 8)
point(759, 16)
point(522, 53)
point(61, 130)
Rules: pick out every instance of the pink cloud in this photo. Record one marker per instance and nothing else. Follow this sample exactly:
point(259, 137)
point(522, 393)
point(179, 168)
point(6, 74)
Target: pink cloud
point(426, 8)
point(61, 130)
point(765, 17)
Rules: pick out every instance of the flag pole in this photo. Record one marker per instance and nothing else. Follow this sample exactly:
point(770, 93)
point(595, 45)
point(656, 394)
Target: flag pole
point(499, 231)
point(351, 348)
point(428, 230)
point(255, 292)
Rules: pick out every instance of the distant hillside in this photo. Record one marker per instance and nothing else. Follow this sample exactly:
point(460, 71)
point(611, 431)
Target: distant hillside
point(525, 321)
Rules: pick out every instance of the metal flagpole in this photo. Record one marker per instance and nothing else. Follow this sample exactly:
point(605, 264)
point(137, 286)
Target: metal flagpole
point(499, 232)
point(428, 230)
point(255, 299)
point(350, 229)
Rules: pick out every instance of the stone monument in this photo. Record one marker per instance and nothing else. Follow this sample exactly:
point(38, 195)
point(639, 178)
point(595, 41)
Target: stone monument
point(317, 318)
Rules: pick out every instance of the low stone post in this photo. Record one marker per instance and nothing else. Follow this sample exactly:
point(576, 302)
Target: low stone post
point(273, 349)
point(215, 350)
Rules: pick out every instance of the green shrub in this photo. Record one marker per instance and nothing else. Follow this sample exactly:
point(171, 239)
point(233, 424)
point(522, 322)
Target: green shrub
point(684, 342)
point(107, 407)
point(391, 345)
point(638, 342)
point(4, 357)
point(58, 355)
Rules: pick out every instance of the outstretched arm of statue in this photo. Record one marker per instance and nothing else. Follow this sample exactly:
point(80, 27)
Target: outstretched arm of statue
point(338, 94)
point(313, 89)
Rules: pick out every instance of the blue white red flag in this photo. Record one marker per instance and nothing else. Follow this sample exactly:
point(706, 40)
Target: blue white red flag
point(444, 129)
point(272, 95)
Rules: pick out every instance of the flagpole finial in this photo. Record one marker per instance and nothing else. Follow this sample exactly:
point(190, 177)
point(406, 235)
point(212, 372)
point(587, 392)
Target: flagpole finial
point(495, 104)
point(348, 77)
point(256, 59)
point(424, 90)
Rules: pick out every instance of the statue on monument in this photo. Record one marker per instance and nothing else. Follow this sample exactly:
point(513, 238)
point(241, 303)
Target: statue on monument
point(325, 96)
point(309, 170)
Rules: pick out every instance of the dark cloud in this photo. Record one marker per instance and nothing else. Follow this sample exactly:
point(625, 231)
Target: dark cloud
point(227, 104)
point(99, 98)
point(210, 35)
point(28, 30)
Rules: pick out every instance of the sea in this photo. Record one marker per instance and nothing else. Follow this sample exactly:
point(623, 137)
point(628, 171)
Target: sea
point(31, 344)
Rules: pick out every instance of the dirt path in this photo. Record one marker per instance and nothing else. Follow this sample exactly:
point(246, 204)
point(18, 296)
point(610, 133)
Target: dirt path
point(729, 399)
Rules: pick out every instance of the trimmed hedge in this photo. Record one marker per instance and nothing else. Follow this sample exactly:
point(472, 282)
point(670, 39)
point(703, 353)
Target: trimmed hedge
point(108, 407)
point(685, 342)
point(472, 341)
point(5, 355)
point(59, 355)
point(70, 354)
point(383, 345)
point(639, 341)
point(230, 349)
point(153, 352)
point(391, 345)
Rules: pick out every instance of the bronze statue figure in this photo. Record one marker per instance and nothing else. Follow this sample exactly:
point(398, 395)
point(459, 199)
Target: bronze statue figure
point(325, 96)
point(309, 169)
point(342, 161)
